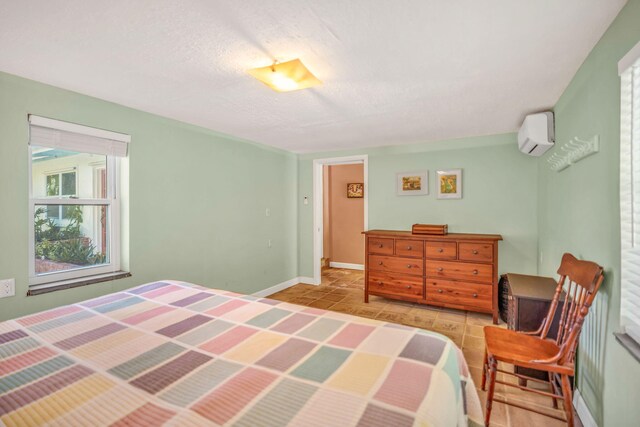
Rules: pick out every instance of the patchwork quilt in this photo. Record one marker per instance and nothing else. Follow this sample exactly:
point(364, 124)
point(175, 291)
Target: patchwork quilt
point(174, 353)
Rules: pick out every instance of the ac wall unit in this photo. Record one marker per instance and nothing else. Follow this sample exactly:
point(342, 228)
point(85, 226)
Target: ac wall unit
point(536, 135)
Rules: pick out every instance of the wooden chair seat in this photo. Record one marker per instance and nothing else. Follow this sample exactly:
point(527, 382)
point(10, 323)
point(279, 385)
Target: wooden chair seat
point(513, 347)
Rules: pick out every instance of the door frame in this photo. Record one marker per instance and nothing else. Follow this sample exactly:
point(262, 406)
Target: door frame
point(318, 201)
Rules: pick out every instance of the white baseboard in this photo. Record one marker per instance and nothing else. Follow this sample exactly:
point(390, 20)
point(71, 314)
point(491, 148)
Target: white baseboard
point(582, 410)
point(346, 265)
point(276, 288)
point(284, 285)
point(307, 280)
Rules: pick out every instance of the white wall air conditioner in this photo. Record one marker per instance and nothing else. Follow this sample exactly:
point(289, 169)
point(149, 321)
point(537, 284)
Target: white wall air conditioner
point(536, 135)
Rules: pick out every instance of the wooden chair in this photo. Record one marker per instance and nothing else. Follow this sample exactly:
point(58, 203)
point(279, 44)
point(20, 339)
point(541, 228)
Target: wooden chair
point(536, 350)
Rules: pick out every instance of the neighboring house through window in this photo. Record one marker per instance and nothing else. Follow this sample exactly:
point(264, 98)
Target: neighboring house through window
point(61, 184)
point(75, 208)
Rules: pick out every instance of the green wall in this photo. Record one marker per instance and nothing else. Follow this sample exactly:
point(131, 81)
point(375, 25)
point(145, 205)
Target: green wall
point(197, 199)
point(499, 194)
point(579, 212)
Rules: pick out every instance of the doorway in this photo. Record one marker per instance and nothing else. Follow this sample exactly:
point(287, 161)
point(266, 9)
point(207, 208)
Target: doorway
point(346, 217)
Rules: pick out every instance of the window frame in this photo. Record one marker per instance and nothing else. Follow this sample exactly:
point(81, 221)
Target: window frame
point(629, 72)
point(112, 201)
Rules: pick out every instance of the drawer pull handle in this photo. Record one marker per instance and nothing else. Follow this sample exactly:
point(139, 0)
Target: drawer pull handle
point(475, 252)
point(475, 295)
point(379, 262)
point(475, 271)
point(440, 269)
point(408, 286)
point(439, 291)
point(408, 248)
point(381, 245)
point(381, 283)
point(408, 265)
point(440, 250)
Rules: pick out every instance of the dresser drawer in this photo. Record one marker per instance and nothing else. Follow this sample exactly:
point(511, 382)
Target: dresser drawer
point(460, 271)
point(396, 284)
point(478, 252)
point(380, 246)
point(441, 250)
point(413, 266)
point(460, 293)
point(410, 248)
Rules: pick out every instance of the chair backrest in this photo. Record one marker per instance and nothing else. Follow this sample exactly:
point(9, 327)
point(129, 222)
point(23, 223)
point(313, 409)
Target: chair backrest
point(583, 279)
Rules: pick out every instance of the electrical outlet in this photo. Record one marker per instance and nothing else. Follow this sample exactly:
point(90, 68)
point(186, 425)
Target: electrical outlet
point(267, 212)
point(7, 288)
point(269, 243)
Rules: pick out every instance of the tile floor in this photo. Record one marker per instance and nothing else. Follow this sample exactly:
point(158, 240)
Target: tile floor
point(342, 290)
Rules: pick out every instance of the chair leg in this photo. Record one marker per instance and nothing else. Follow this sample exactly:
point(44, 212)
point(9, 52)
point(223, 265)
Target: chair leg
point(484, 370)
point(554, 388)
point(492, 366)
point(568, 399)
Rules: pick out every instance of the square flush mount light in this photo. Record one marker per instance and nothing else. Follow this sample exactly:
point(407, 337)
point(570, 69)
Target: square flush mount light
point(285, 76)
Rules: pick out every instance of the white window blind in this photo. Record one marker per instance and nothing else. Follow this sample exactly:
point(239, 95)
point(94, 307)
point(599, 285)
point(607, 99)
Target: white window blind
point(629, 68)
point(51, 133)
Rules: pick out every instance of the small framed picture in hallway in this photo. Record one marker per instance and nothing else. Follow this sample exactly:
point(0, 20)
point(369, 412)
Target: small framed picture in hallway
point(355, 190)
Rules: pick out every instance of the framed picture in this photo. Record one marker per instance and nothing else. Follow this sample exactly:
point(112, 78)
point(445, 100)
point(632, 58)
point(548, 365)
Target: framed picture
point(412, 183)
point(355, 190)
point(449, 184)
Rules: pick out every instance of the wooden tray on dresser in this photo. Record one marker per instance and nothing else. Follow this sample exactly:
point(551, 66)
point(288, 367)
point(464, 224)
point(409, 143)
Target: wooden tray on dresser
point(453, 270)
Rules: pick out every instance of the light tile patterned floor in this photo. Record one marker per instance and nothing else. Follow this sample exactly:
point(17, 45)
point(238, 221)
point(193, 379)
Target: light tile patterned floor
point(342, 290)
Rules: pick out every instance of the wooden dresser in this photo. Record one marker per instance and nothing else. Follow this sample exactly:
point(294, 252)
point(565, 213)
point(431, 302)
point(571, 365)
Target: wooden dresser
point(455, 270)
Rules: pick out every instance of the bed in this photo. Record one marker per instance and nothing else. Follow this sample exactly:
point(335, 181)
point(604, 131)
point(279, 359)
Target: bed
point(174, 353)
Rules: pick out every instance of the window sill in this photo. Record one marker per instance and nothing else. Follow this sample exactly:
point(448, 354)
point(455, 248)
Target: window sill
point(629, 343)
point(68, 284)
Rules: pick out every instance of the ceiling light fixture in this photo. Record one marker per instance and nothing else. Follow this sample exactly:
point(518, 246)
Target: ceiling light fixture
point(285, 76)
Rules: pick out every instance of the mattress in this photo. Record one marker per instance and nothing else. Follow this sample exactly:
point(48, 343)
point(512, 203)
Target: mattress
point(175, 353)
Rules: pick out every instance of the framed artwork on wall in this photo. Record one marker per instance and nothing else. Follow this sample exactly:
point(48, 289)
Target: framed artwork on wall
point(449, 184)
point(412, 183)
point(355, 190)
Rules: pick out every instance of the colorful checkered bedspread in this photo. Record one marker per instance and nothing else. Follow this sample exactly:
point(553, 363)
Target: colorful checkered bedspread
point(180, 354)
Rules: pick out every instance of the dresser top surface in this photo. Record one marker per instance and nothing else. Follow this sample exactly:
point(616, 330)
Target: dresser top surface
point(450, 236)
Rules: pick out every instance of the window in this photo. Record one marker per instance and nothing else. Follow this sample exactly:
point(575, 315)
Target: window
point(74, 202)
point(629, 68)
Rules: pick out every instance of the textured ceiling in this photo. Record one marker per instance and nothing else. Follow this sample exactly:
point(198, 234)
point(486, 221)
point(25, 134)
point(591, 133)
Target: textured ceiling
point(394, 71)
